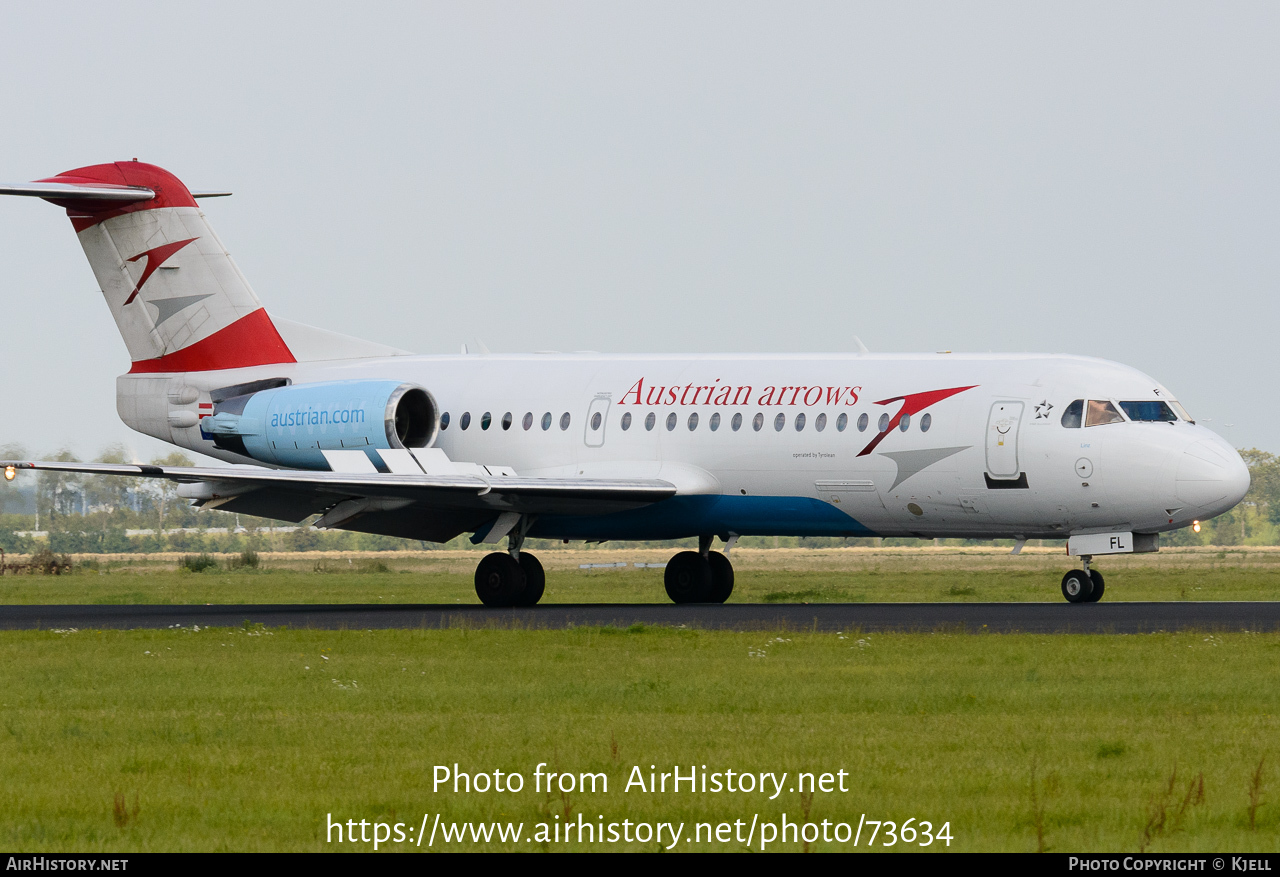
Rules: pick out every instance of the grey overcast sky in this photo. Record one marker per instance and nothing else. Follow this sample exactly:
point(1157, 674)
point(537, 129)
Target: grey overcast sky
point(1094, 178)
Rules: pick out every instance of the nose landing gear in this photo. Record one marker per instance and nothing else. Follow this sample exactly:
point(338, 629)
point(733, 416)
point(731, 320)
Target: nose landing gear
point(1083, 585)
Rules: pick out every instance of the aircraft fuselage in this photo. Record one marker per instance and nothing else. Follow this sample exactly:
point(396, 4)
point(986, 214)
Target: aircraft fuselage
point(943, 445)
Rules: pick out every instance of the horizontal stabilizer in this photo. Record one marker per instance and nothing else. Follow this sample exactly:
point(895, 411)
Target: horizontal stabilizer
point(101, 192)
point(105, 193)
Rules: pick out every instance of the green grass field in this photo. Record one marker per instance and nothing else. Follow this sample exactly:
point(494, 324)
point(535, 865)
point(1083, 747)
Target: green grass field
point(225, 740)
point(245, 739)
point(784, 575)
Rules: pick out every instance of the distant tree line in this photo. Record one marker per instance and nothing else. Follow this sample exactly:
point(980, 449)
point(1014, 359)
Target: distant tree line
point(92, 514)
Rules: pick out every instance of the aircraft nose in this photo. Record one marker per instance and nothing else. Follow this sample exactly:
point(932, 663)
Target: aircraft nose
point(1212, 477)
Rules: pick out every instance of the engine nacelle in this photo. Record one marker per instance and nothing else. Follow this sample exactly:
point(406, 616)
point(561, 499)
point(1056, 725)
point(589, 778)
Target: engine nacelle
point(291, 425)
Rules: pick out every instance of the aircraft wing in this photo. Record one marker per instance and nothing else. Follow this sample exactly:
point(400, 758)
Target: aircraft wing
point(432, 507)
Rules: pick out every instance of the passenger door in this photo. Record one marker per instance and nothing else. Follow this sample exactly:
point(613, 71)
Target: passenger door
point(1002, 440)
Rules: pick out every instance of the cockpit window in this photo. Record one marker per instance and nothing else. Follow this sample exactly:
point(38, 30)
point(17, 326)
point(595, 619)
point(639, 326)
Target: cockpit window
point(1073, 417)
point(1182, 412)
point(1149, 412)
point(1100, 413)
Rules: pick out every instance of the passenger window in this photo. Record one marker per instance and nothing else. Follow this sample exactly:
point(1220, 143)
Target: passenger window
point(841, 422)
point(820, 422)
point(1100, 413)
point(444, 421)
point(546, 421)
point(506, 421)
point(595, 421)
point(626, 421)
point(779, 422)
point(564, 420)
point(800, 422)
point(736, 423)
point(715, 421)
point(884, 423)
point(905, 422)
point(693, 421)
point(671, 421)
point(1073, 417)
point(528, 420)
point(485, 420)
point(650, 420)
point(926, 422)
point(757, 422)
point(862, 422)
point(1149, 412)
point(465, 420)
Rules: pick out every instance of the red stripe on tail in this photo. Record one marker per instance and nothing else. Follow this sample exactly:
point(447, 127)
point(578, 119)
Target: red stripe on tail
point(250, 340)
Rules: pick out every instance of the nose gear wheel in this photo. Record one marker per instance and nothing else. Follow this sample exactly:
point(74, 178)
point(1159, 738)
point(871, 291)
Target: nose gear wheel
point(1077, 586)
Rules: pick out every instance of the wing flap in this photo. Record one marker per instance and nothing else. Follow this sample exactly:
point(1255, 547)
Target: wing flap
point(281, 505)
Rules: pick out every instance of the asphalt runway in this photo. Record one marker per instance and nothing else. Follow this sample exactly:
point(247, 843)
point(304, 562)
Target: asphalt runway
point(1105, 617)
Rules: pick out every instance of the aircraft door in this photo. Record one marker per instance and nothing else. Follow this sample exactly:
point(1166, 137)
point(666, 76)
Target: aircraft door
point(597, 420)
point(1002, 439)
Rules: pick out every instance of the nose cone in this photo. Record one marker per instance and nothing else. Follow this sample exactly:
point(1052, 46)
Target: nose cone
point(1212, 477)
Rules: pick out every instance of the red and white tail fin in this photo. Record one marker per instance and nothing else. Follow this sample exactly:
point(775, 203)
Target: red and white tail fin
point(179, 300)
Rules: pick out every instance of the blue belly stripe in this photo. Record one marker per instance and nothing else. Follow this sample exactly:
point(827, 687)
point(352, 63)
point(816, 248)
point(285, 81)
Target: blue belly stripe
point(683, 516)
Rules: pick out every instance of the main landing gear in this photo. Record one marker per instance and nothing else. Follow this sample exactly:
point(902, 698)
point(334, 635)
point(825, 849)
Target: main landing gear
point(702, 576)
point(503, 580)
point(515, 578)
point(1083, 585)
point(510, 578)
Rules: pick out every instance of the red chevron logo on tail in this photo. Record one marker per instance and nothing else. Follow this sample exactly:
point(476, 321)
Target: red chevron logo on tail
point(155, 257)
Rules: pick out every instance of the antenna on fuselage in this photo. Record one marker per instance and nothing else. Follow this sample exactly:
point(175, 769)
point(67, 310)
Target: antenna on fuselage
point(862, 348)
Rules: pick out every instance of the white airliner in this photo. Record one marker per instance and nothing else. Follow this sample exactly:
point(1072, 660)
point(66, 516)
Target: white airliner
point(594, 447)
